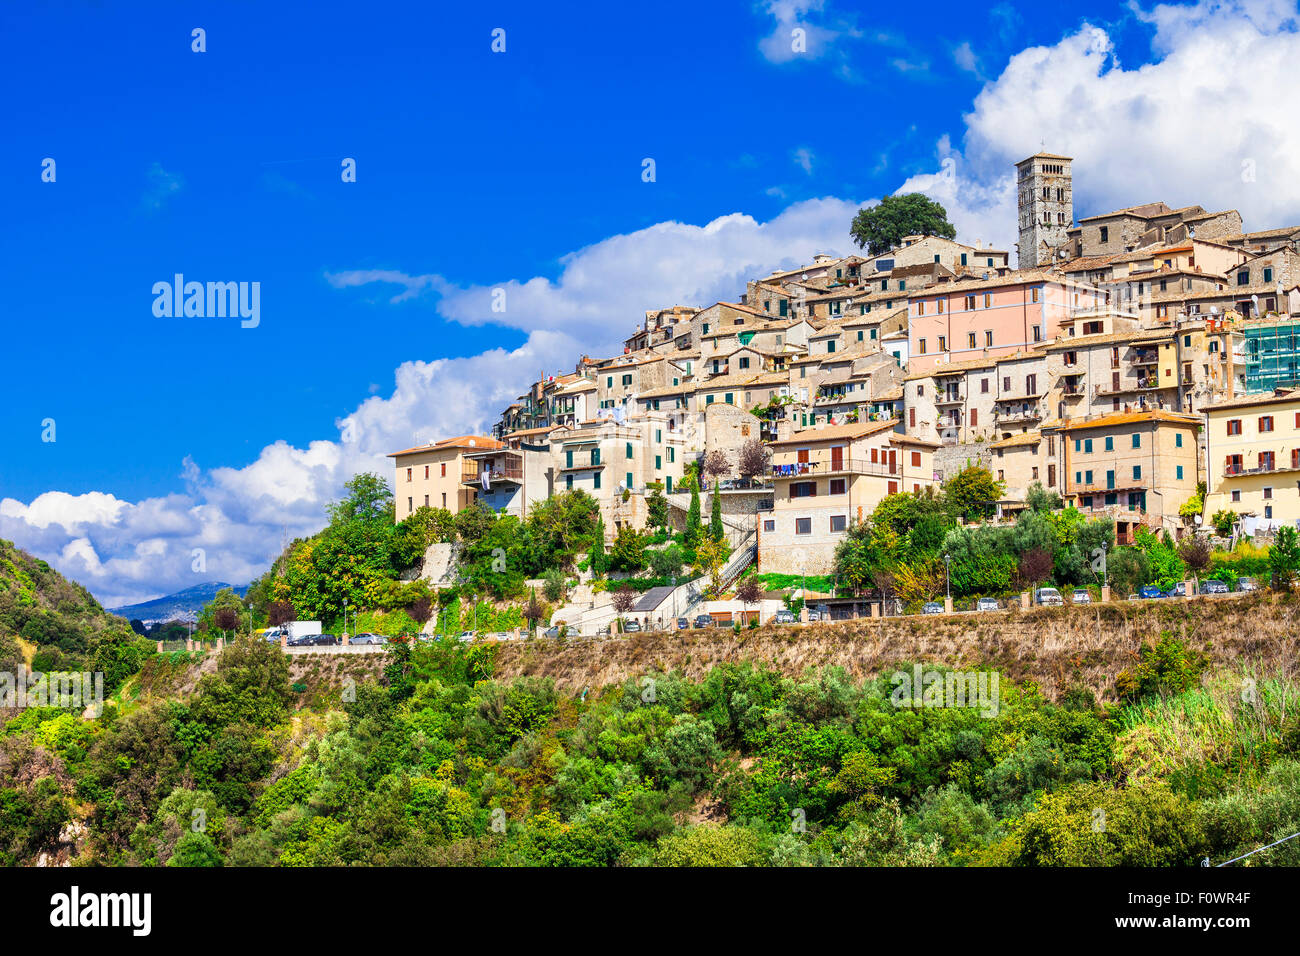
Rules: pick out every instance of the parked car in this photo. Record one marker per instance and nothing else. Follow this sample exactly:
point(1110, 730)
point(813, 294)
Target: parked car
point(703, 620)
point(1178, 590)
point(785, 616)
point(302, 640)
point(683, 624)
point(1215, 586)
point(1081, 596)
point(631, 627)
point(551, 632)
point(1247, 584)
point(368, 639)
point(1151, 591)
point(932, 607)
point(815, 615)
point(1048, 597)
point(326, 640)
point(987, 604)
point(466, 636)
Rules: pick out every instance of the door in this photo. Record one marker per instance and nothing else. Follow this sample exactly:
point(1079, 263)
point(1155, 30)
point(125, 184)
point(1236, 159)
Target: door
point(837, 458)
point(893, 462)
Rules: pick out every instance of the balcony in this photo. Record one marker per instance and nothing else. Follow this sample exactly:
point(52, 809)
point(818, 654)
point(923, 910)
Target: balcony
point(950, 398)
point(1012, 416)
point(1231, 470)
point(1145, 357)
point(835, 466)
point(503, 468)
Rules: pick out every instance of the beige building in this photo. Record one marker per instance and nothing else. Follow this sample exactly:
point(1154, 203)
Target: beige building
point(431, 475)
point(1139, 467)
point(1252, 460)
point(825, 479)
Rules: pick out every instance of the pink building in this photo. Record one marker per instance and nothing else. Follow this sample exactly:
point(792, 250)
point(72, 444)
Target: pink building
point(985, 318)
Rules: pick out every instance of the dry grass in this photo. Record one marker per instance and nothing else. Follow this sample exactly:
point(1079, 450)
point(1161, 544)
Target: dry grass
point(1054, 647)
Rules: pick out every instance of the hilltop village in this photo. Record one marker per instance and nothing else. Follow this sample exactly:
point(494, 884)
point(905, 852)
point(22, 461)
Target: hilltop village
point(1129, 362)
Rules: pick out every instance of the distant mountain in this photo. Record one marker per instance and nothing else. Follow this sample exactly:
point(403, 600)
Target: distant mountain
point(183, 605)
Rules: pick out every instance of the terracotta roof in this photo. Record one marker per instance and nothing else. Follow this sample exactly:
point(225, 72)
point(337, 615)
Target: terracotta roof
point(1290, 396)
point(478, 442)
point(836, 432)
point(1025, 438)
point(1130, 418)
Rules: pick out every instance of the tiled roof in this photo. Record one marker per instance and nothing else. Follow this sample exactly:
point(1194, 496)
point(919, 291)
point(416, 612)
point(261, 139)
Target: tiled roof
point(479, 442)
point(1130, 418)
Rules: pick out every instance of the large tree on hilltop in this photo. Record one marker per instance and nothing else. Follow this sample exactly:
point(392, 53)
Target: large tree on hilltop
point(881, 227)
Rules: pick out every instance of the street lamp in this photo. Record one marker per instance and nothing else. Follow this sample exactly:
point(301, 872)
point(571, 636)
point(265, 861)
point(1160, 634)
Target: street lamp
point(947, 574)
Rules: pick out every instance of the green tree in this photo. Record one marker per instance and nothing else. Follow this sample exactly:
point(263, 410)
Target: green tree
point(694, 525)
point(656, 509)
point(883, 226)
point(628, 551)
point(368, 500)
point(1284, 558)
point(716, 531)
point(973, 493)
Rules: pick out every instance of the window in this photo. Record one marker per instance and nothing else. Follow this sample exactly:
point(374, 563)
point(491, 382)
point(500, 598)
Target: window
point(988, 299)
point(1243, 277)
point(444, 499)
point(803, 489)
point(672, 454)
point(916, 459)
point(627, 379)
point(988, 338)
point(628, 451)
point(1234, 426)
point(1137, 472)
point(974, 417)
point(970, 340)
point(408, 474)
point(984, 384)
point(426, 501)
point(1266, 423)
point(1178, 440)
point(1087, 446)
point(1137, 440)
point(595, 481)
point(839, 523)
point(568, 458)
point(1268, 275)
point(595, 456)
point(1268, 492)
point(628, 483)
point(659, 463)
point(920, 307)
point(922, 345)
point(1268, 511)
point(1033, 295)
point(426, 471)
point(444, 469)
point(830, 345)
point(409, 506)
point(728, 397)
point(1178, 471)
point(803, 525)
point(970, 302)
point(1110, 443)
point(1236, 495)
point(839, 486)
point(609, 381)
point(1105, 234)
point(568, 482)
point(943, 343)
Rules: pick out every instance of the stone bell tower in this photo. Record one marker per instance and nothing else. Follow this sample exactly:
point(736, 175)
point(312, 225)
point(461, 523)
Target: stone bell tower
point(1046, 207)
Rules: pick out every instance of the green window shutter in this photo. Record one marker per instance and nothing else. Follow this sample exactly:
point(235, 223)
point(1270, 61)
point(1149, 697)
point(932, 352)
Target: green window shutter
point(745, 338)
point(595, 456)
point(1137, 440)
point(568, 482)
point(568, 458)
point(629, 450)
point(629, 481)
point(729, 401)
point(1180, 472)
point(595, 482)
point(670, 484)
point(659, 463)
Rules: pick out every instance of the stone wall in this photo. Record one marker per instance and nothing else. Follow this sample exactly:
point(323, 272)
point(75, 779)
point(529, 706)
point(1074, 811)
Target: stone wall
point(950, 459)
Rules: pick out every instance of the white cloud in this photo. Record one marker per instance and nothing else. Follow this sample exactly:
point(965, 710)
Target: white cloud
point(803, 158)
point(1180, 129)
point(162, 186)
point(127, 551)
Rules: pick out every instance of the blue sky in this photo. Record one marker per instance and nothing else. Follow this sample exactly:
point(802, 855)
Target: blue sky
point(479, 170)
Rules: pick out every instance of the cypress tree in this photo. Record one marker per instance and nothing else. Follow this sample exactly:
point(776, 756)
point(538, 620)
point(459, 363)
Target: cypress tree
point(693, 517)
point(715, 518)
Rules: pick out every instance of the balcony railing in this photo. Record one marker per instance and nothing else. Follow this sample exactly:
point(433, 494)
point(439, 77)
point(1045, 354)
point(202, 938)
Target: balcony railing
point(502, 470)
point(849, 466)
point(1233, 471)
point(950, 398)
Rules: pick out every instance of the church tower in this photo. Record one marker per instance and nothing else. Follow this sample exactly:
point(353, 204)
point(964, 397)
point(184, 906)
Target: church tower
point(1046, 207)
